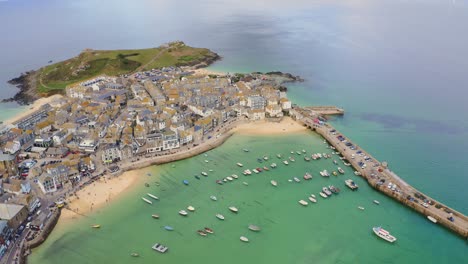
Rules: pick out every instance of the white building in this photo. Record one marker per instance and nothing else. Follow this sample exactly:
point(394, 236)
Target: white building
point(111, 153)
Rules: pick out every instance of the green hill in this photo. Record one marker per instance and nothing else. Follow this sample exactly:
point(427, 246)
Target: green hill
point(55, 77)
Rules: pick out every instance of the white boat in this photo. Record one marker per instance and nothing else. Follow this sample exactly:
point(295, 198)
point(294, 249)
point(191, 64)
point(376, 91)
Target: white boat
point(296, 179)
point(384, 234)
point(183, 213)
point(212, 197)
point(210, 170)
point(255, 170)
point(323, 195)
point(319, 156)
point(340, 170)
point(229, 178)
point(244, 239)
point(376, 202)
point(265, 157)
point(160, 248)
point(357, 173)
point(292, 159)
point(350, 183)
point(245, 183)
point(304, 203)
point(312, 195)
point(347, 164)
point(278, 156)
point(233, 209)
point(204, 173)
point(314, 156)
point(312, 199)
point(234, 176)
point(146, 200)
point(304, 151)
point(360, 207)
point(153, 196)
point(326, 191)
point(240, 164)
point(432, 219)
point(285, 162)
point(298, 152)
point(246, 150)
point(191, 208)
point(247, 172)
point(220, 216)
point(207, 161)
point(274, 183)
point(273, 165)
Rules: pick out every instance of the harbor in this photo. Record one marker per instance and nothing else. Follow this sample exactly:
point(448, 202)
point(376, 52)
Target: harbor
point(381, 178)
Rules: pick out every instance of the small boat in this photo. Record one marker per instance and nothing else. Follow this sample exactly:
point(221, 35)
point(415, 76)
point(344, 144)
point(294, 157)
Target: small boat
point(254, 228)
point(265, 157)
point(304, 151)
point(191, 208)
point(146, 200)
point(207, 161)
point(229, 178)
point(197, 177)
point(307, 176)
point(340, 170)
point(160, 248)
point(234, 176)
point(183, 213)
point(298, 153)
point(155, 216)
point(201, 232)
point(274, 183)
point(169, 228)
point(333, 189)
point(306, 158)
point(245, 183)
point(246, 150)
point(304, 203)
point(204, 173)
point(314, 156)
point(360, 207)
point(326, 191)
point(240, 164)
point(350, 183)
point(273, 165)
point(255, 170)
point(292, 152)
point(153, 196)
point(323, 195)
point(225, 180)
point(376, 202)
point(185, 182)
point(335, 162)
point(285, 162)
point(209, 230)
point(292, 159)
point(278, 156)
point(347, 164)
point(220, 216)
point(335, 173)
point(134, 254)
point(357, 173)
point(220, 182)
point(265, 168)
point(212, 197)
point(247, 172)
point(259, 169)
point(96, 226)
point(312, 195)
point(384, 234)
point(210, 170)
point(260, 160)
point(432, 219)
point(312, 199)
point(233, 209)
point(296, 179)
point(244, 239)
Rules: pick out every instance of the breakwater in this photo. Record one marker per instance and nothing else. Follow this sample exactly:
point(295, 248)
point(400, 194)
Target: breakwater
point(378, 175)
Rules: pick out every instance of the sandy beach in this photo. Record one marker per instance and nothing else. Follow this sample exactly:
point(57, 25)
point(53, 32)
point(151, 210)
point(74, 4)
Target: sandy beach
point(285, 126)
point(33, 107)
point(204, 72)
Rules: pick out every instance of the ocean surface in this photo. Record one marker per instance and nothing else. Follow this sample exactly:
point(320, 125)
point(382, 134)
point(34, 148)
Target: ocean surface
point(398, 68)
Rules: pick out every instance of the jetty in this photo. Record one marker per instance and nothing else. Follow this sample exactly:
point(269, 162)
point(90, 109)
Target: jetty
point(380, 177)
point(325, 110)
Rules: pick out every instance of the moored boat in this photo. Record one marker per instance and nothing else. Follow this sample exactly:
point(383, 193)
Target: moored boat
point(234, 176)
point(278, 156)
point(254, 228)
point(134, 254)
point(292, 159)
point(169, 228)
point(350, 183)
point(160, 248)
point(384, 234)
point(273, 165)
point(255, 170)
point(233, 209)
point(201, 232)
point(191, 208)
point(146, 200)
point(335, 162)
point(335, 173)
point(220, 182)
point(155, 216)
point(296, 179)
point(245, 183)
point(183, 213)
point(244, 239)
point(229, 178)
point(285, 162)
point(360, 208)
point(209, 230)
point(307, 176)
point(333, 189)
point(197, 177)
point(153, 196)
point(185, 182)
point(220, 216)
point(340, 170)
point(376, 202)
point(247, 172)
point(323, 195)
point(312, 199)
point(432, 219)
point(265, 157)
point(304, 203)
point(240, 164)
point(204, 173)
point(326, 191)
point(274, 183)
point(306, 158)
point(246, 150)
point(212, 197)
point(96, 226)
point(265, 168)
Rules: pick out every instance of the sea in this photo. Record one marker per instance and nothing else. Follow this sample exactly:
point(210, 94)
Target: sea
point(397, 67)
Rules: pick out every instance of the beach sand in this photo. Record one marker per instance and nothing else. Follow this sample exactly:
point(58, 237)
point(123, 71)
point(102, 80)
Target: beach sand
point(33, 107)
point(285, 126)
point(204, 72)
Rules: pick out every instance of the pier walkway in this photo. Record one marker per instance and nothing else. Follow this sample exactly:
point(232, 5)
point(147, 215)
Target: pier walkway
point(378, 175)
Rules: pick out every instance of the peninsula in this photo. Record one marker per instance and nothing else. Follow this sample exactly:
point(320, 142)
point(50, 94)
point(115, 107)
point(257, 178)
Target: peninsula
point(125, 114)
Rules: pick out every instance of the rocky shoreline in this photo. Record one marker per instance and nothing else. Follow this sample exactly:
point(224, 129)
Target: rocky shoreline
point(26, 83)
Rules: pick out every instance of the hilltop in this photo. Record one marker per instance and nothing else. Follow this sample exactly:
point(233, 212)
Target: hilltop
point(53, 78)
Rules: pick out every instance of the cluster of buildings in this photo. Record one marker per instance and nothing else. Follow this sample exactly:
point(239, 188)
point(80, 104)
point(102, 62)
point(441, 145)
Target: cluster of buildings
point(110, 119)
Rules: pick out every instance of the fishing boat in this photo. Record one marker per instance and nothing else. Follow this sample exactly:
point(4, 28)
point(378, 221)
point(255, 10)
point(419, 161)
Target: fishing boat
point(183, 213)
point(160, 248)
point(96, 226)
point(335, 162)
point(247, 172)
point(234, 176)
point(333, 189)
point(146, 200)
point(350, 183)
point(273, 165)
point(326, 191)
point(376, 202)
point(197, 177)
point(246, 150)
point(265, 168)
point(304, 203)
point(153, 196)
point(233, 209)
point(384, 234)
point(204, 173)
point(212, 197)
point(307, 176)
point(312, 199)
point(278, 156)
point(201, 232)
point(254, 228)
point(432, 219)
point(296, 179)
point(209, 230)
point(335, 173)
point(259, 169)
point(185, 182)
point(191, 208)
point(360, 208)
point(340, 170)
point(244, 239)
point(306, 158)
point(134, 254)
point(229, 178)
point(240, 164)
point(220, 216)
point(292, 159)
point(357, 173)
point(323, 195)
point(245, 183)
point(285, 162)
point(255, 170)
point(265, 157)
point(274, 183)
point(169, 228)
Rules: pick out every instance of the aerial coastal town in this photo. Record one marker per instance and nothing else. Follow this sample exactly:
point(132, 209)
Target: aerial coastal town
point(106, 123)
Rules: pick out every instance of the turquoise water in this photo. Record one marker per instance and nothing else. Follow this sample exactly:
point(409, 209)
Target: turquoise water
point(330, 231)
